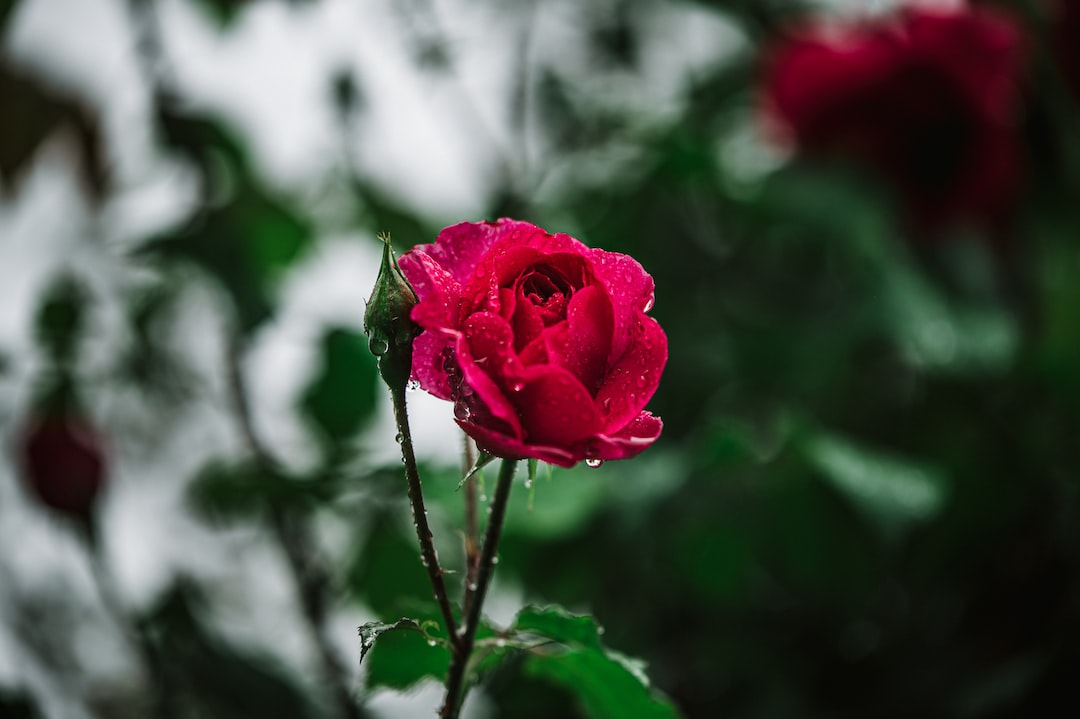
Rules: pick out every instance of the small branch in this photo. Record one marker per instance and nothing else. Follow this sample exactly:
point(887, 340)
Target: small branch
point(455, 680)
point(309, 578)
point(472, 535)
point(163, 696)
point(428, 554)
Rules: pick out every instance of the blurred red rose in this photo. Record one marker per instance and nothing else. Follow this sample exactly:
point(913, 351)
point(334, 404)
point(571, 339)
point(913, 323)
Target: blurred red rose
point(928, 97)
point(1065, 21)
point(542, 343)
point(63, 462)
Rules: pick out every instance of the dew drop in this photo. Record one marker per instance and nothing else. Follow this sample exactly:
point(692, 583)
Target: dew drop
point(517, 386)
point(431, 642)
point(399, 437)
point(378, 346)
point(528, 483)
point(593, 462)
point(495, 560)
point(648, 305)
point(461, 411)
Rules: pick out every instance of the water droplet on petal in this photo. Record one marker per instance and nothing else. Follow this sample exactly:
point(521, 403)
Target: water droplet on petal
point(517, 386)
point(648, 305)
point(593, 462)
point(461, 411)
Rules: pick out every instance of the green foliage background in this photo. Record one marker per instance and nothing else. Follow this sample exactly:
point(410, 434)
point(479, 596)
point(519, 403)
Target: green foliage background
point(864, 503)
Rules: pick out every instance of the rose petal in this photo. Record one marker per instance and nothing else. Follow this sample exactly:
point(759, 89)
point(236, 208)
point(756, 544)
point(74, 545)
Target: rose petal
point(582, 344)
point(631, 440)
point(427, 362)
point(633, 379)
point(554, 407)
point(438, 292)
point(485, 353)
point(459, 247)
point(527, 322)
point(631, 290)
point(502, 445)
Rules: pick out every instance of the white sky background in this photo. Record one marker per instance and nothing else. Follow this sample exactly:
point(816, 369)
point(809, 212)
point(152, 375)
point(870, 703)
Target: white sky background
point(431, 140)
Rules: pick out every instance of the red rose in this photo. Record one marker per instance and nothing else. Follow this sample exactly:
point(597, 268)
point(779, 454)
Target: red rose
point(927, 97)
point(63, 463)
point(1064, 18)
point(542, 343)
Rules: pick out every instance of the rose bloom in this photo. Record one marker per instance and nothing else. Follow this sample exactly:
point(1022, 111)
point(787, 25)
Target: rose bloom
point(543, 344)
point(927, 97)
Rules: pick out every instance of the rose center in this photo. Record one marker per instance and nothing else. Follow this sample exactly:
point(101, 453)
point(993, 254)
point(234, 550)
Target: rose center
point(549, 292)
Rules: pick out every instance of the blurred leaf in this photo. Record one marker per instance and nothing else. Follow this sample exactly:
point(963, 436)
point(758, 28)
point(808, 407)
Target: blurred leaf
point(402, 654)
point(231, 491)
point(211, 677)
point(892, 492)
point(224, 12)
point(210, 144)
point(387, 574)
point(342, 395)
point(607, 684)
point(61, 319)
point(13, 704)
point(7, 8)
point(32, 113)
point(246, 244)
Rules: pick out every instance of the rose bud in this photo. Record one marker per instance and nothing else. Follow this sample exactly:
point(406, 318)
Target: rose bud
point(543, 344)
point(63, 463)
point(389, 328)
point(927, 97)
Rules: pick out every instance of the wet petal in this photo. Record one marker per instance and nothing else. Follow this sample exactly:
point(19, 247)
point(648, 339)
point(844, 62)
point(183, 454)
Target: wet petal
point(485, 355)
point(584, 343)
point(502, 445)
point(632, 439)
point(554, 407)
point(438, 292)
point(631, 290)
point(427, 362)
point(631, 382)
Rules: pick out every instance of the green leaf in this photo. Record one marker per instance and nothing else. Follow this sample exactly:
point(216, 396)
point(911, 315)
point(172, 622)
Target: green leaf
point(483, 459)
point(891, 491)
point(557, 624)
point(606, 687)
point(607, 684)
point(342, 396)
point(402, 654)
point(370, 632)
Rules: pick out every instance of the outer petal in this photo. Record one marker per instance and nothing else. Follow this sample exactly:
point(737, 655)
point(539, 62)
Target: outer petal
point(439, 293)
point(631, 440)
point(459, 247)
point(554, 407)
point(427, 362)
point(485, 352)
point(634, 378)
point(503, 445)
point(631, 290)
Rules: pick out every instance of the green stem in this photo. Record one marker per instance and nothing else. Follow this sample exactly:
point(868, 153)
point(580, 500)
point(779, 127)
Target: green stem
point(455, 680)
point(472, 535)
point(428, 554)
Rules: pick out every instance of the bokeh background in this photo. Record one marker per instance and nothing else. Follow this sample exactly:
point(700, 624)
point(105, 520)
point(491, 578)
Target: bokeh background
point(864, 503)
